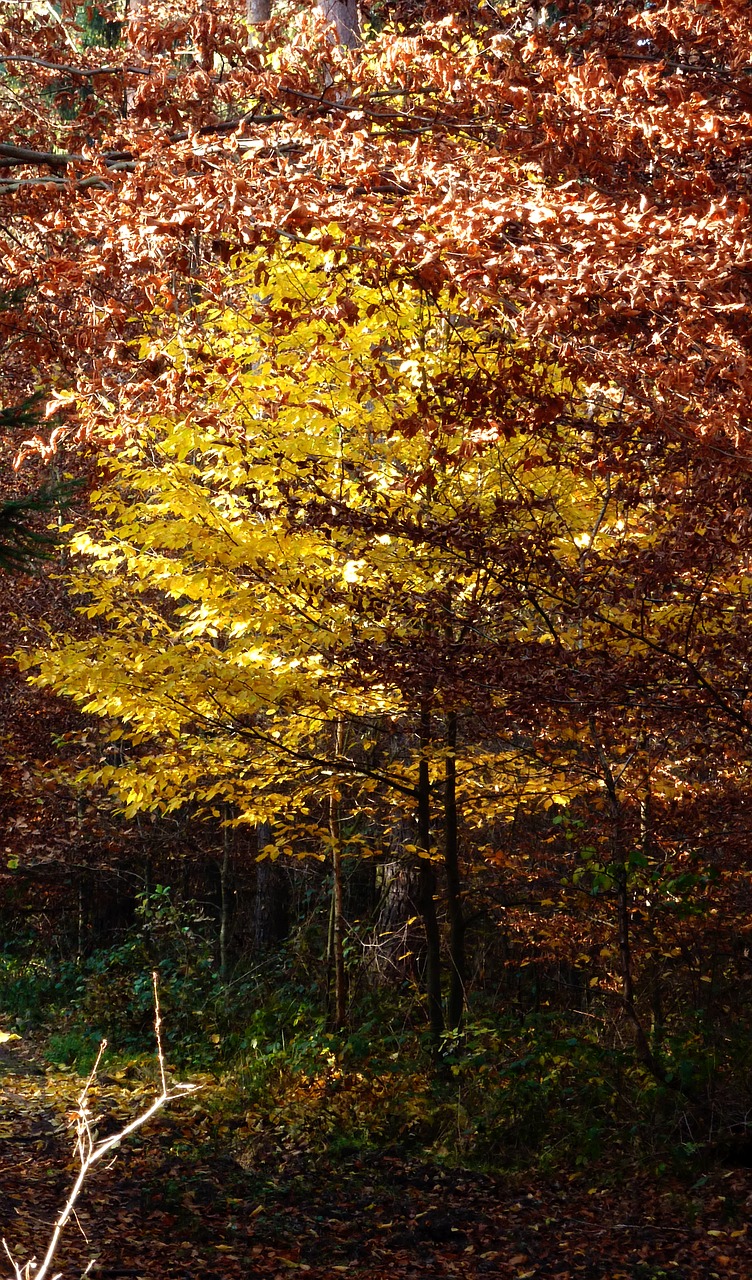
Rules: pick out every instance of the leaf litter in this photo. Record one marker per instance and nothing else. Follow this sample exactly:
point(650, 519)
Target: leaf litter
point(177, 1203)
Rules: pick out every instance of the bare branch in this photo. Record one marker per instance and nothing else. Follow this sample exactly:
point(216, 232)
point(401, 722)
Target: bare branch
point(84, 72)
point(11, 155)
point(158, 1031)
point(90, 1152)
point(9, 188)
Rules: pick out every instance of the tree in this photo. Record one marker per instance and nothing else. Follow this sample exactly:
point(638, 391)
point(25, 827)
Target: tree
point(21, 540)
point(579, 182)
point(294, 528)
point(567, 257)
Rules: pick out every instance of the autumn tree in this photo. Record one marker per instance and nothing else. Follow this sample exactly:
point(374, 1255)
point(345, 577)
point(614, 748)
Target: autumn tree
point(583, 179)
point(404, 512)
point(341, 437)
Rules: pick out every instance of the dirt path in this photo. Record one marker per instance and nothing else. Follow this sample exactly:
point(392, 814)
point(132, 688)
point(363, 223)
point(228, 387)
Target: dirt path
point(176, 1205)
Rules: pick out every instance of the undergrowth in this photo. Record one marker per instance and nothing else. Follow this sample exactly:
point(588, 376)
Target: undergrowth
point(513, 1090)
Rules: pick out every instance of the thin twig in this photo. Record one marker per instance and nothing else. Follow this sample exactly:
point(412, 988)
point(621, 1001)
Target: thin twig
point(90, 1152)
point(13, 1263)
point(158, 1031)
point(92, 1076)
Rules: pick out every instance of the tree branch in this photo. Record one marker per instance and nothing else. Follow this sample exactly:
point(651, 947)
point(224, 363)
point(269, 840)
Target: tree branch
point(11, 156)
point(84, 72)
point(91, 1152)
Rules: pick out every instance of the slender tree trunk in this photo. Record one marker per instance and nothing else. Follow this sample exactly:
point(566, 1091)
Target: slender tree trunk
point(134, 12)
point(224, 906)
point(344, 15)
point(456, 1001)
point(137, 13)
point(270, 913)
point(134, 16)
point(427, 888)
point(646, 842)
point(337, 930)
point(619, 870)
point(81, 931)
point(81, 922)
point(621, 878)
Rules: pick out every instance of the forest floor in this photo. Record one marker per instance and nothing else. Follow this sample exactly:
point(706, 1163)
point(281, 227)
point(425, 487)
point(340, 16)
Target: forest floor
point(187, 1200)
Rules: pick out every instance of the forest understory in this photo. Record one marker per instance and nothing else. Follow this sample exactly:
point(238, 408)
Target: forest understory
point(195, 1196)
point(375, 665)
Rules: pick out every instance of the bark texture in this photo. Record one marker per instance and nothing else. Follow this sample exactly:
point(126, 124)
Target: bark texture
point(258, 10)
point(397, 947)
point(271, 911)
point(344, 15)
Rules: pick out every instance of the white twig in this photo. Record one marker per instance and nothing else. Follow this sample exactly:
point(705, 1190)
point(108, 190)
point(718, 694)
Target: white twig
point(90, 1152)
point(94, 1071)
point(158, 1031)
point(78, 1224)
point(13, 1263)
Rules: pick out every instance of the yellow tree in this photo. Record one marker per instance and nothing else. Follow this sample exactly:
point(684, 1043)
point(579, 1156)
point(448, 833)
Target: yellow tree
point(286, 581)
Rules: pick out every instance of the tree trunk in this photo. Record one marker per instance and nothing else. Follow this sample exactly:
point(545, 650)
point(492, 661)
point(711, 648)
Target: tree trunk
point(456, 1001)
point(134, 11)
point(337, 933)
point(258, 10)
point(270, 914)
point(134, 15)
point(224, 891)
point(646, 844)
point(81, 921)
point(344, 16)
point(397, 942)
point(427, 889)
point(620, 873)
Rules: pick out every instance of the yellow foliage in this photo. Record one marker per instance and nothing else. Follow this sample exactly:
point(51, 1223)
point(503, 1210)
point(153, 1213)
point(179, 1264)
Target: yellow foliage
point(257, 553)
